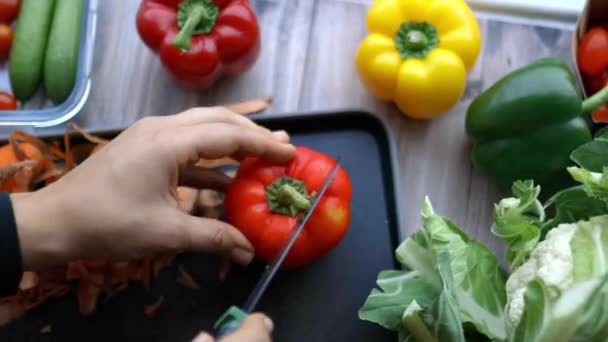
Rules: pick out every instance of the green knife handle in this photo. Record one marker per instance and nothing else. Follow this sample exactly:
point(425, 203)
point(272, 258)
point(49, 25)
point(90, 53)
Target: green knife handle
point(229, 321)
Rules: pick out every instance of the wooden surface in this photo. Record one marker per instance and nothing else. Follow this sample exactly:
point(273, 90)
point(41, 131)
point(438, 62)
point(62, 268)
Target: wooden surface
point(306, 63)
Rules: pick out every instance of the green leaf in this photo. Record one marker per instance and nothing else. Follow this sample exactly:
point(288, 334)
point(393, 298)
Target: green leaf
point(446, 325)
point(572, 205)
point(602, 134)
point(481, 296)
point(595, 184)
point(578, 315)
point(398, 289)
point(592, 156)
point(518, 220)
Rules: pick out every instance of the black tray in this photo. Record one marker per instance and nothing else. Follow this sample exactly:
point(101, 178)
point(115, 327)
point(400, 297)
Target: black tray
point(316, 303)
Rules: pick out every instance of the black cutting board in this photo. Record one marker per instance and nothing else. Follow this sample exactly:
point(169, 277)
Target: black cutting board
point(316, 303)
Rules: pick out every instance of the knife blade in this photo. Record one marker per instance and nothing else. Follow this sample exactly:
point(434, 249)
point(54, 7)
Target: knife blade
point(234, 316)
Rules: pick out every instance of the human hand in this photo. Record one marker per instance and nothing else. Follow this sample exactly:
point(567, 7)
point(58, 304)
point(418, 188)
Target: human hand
point(120, 203)
point(256, 328)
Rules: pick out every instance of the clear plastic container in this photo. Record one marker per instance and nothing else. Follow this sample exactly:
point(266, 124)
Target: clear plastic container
point(42, 112)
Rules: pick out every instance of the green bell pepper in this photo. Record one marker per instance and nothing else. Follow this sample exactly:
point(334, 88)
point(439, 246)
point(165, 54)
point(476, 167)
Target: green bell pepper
point(526, 125)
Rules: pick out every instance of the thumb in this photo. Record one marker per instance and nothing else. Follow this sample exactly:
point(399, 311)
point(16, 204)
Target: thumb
point(256, 328)
point(214, 236)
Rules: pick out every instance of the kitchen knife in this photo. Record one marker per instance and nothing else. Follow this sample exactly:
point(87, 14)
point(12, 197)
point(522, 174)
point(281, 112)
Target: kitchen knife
point(234, 316)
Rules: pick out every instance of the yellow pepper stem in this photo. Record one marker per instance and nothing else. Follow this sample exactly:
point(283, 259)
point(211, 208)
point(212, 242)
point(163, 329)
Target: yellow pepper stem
point(416, 39)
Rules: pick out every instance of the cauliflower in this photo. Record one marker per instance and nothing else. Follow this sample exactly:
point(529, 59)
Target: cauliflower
point(550, 261)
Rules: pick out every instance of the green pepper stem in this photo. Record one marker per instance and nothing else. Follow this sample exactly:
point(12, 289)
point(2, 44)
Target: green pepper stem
point(288, 195)
point(416, 40)
point(596, 101)
point(183, 40)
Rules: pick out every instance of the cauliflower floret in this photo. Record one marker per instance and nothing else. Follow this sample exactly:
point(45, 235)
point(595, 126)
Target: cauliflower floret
point(550, 261)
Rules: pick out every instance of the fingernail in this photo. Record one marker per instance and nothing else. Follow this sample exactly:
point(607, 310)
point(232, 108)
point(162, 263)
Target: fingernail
point(242, 256)
point(203, 338)
point(281, 135)
point(268, 323)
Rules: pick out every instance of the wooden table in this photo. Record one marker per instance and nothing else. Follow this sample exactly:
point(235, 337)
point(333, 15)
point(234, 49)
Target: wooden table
point(306, 64)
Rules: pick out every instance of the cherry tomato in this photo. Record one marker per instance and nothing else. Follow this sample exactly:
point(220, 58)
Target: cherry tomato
point(595, 83)
point(592, 54)
point(9, 10)
point(6, 40)
point(7, 101)
point(600, 115)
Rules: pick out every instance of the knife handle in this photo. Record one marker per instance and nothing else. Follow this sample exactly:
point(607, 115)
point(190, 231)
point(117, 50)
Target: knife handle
point(229, 321)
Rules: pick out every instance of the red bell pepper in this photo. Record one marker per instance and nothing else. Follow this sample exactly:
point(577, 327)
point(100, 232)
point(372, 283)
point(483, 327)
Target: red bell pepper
point(199, 41)
point(266, 200)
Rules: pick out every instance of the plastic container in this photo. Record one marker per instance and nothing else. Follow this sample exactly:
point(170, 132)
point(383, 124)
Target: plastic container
point(594, 13)
point(41, 111)
point(559, 14)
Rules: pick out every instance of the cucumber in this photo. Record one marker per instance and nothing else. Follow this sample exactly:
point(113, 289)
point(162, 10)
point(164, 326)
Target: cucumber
point(29, 46)
point(61, 59)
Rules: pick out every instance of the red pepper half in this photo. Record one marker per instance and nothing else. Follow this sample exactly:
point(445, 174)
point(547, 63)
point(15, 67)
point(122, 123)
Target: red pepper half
point(199, 41)
point(266, 200)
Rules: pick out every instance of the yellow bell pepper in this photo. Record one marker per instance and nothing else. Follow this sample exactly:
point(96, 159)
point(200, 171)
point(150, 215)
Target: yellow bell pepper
point(418, 54)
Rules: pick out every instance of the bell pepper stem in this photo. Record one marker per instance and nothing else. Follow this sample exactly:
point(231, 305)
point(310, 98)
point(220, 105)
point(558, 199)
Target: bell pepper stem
point(183, 40)
point(288, 195)
point(596, 101)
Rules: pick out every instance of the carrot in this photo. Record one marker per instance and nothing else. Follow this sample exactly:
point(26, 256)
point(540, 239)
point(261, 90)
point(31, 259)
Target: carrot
point(186, 280)
point(88, 293)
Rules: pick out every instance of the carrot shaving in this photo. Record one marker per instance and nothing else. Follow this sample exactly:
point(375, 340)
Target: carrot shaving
point(8, 172)
point(88, 293)
point(23, 180)
point(17, 150)
point(89, 137)
point(69, 158)
point(46, 329)
point(10, 311)
point(49, 150)
point(250, 106)
point(224, 268)
point(162, 262)
point(186, 280)
point(151, 310)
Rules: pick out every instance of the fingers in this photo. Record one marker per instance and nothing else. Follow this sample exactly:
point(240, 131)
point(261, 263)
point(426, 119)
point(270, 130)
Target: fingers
point(220, 140)
point(256, 328)
point(216, 237)
point(203, 178)
point(198, 116)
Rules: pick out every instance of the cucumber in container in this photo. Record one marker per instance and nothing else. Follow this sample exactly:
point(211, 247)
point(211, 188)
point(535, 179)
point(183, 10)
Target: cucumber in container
point(29, 47)
point(49, 67)
point(61, 60)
